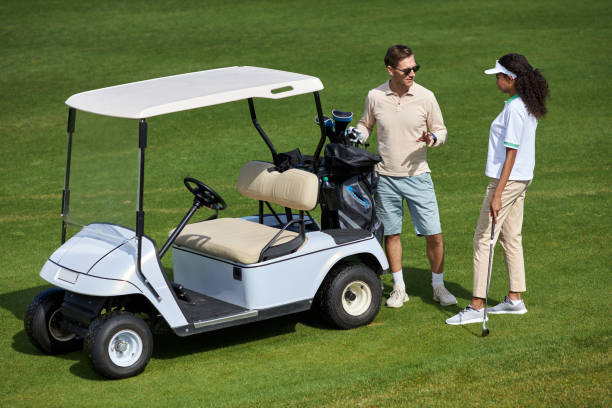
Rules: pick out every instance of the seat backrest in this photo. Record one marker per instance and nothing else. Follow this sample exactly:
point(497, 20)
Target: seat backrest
point(293, 188)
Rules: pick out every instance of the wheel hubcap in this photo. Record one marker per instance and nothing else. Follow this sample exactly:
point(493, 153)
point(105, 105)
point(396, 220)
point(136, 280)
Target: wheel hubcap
point(121, 346)
point(55, 330)
point(125, 348)
point(357, 298)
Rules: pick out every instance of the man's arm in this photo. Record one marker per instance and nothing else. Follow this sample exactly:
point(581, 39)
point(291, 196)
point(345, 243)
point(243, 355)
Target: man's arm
point(367, 121)
point(435, 125)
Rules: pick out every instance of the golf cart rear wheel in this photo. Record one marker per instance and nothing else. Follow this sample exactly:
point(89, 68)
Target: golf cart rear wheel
point(350, 296)
point(119, 345)
point(43, 324)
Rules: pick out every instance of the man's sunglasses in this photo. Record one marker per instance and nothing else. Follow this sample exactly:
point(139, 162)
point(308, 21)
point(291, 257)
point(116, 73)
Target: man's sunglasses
point(407, 70)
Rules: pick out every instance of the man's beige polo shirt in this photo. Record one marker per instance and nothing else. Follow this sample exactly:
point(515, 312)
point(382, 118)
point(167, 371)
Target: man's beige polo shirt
point(401, 120)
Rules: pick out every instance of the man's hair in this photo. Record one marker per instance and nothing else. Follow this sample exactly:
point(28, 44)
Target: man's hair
point(396, 53)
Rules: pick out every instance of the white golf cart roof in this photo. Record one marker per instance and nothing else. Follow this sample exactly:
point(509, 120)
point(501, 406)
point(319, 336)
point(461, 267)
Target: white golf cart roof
point(153, 97)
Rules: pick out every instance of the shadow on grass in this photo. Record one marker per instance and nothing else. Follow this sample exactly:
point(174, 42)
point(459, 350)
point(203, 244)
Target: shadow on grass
point(169, 345)
point(166, 346)
point(16, 303)
point(418, 284)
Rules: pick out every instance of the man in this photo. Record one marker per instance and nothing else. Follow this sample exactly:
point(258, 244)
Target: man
point(409, 121)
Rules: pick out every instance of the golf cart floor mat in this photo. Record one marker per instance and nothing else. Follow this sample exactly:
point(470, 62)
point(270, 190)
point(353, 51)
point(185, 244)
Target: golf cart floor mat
point(198, 307)
point(343, 236)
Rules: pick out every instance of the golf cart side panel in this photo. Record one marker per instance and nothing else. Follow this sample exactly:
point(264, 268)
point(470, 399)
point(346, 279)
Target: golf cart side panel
point(255, 287)
point(123, 263)
point(367, 246)
point(209, 276)
point(284, 280)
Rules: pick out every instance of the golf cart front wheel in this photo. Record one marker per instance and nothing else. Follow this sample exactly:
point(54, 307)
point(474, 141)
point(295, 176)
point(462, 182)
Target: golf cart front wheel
point(43, 324)
point(119, 345)
point(350, 295)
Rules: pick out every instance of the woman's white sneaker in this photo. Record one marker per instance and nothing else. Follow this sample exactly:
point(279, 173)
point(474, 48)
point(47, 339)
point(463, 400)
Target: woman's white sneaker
point(398, 297)
point(466, 316)
point(508, 307)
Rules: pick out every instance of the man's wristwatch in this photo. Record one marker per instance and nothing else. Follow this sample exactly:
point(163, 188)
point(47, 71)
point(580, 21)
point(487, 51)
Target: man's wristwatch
point(435, 139)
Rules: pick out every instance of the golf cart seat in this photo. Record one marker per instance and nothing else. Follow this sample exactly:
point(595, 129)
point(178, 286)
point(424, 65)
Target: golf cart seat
point(247, 242)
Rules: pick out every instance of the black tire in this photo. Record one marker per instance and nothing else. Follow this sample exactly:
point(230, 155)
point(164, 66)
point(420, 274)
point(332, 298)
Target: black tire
point(42, 324)
point(350, 295)
point(133, 345)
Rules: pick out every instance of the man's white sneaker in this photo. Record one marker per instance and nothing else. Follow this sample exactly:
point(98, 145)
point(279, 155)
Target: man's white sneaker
point(467, 315)
point(398, 297)
point(506, 307)
point(443, 296)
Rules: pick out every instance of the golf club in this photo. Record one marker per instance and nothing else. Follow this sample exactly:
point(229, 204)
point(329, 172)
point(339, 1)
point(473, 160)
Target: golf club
point(329, 127)
point(485, 331)
point(341, 121)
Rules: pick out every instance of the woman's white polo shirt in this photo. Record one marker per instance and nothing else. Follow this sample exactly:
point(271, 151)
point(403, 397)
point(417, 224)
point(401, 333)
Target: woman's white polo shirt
point(515, 128)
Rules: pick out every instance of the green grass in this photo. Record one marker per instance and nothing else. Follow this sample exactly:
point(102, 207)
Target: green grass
point(556, 355)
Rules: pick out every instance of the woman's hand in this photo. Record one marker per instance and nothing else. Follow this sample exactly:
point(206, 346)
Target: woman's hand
point(495, 206)
point(496, 203)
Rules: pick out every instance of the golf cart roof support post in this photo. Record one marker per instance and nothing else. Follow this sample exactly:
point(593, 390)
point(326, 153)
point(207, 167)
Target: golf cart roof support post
point(261, 132)
point(142, 145)
point(323, 132)
point(66, 191)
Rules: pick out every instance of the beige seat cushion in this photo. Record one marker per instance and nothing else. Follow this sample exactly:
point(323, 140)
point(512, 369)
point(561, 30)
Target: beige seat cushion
point(233, 239)
point(293, 188)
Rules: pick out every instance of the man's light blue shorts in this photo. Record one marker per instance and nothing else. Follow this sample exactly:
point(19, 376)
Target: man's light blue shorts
point(418, 191)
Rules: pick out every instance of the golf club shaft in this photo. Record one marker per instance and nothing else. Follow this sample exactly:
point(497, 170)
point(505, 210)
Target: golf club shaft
point(484, 319)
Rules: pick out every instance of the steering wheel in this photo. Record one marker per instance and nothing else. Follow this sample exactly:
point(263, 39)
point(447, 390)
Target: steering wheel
point(204, 195)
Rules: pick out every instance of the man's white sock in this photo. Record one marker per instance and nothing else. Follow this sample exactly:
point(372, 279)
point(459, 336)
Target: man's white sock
point(437, 279)
point(398, 279)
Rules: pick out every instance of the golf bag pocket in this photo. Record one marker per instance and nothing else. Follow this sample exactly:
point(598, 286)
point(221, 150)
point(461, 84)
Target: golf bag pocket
point(356, 208)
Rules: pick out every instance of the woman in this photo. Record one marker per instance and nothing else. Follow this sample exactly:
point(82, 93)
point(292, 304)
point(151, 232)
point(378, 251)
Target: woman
point(510, 163)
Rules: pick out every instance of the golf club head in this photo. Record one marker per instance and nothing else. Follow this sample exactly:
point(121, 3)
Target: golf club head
point(485, 331)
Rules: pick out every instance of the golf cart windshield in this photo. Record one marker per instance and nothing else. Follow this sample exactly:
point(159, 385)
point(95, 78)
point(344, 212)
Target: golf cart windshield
point(103, 171)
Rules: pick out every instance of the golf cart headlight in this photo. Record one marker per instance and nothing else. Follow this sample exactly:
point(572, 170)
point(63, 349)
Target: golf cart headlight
point(67, 275)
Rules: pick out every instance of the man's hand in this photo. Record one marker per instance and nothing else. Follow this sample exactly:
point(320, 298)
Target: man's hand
point(355, 135)
point(427, 138)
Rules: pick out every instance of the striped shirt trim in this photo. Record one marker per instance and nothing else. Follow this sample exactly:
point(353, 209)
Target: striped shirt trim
point(513, 98)
point(512, 145)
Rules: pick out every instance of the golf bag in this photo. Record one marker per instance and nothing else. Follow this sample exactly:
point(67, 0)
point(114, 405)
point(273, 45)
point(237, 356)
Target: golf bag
point(349, 182)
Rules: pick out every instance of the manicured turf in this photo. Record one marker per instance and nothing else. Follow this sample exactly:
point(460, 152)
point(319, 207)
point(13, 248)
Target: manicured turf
point(558, 354)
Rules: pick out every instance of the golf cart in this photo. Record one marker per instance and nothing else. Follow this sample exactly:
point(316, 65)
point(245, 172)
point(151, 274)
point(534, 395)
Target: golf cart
point(110, 291)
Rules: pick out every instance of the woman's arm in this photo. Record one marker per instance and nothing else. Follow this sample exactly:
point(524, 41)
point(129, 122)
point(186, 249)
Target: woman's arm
point(503, 179)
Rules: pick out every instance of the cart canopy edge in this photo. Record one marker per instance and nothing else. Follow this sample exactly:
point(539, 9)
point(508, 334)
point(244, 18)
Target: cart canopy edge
point(159, 96)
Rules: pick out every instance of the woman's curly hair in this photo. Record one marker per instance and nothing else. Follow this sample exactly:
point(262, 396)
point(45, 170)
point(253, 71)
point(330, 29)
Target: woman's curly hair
point(530, 83)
